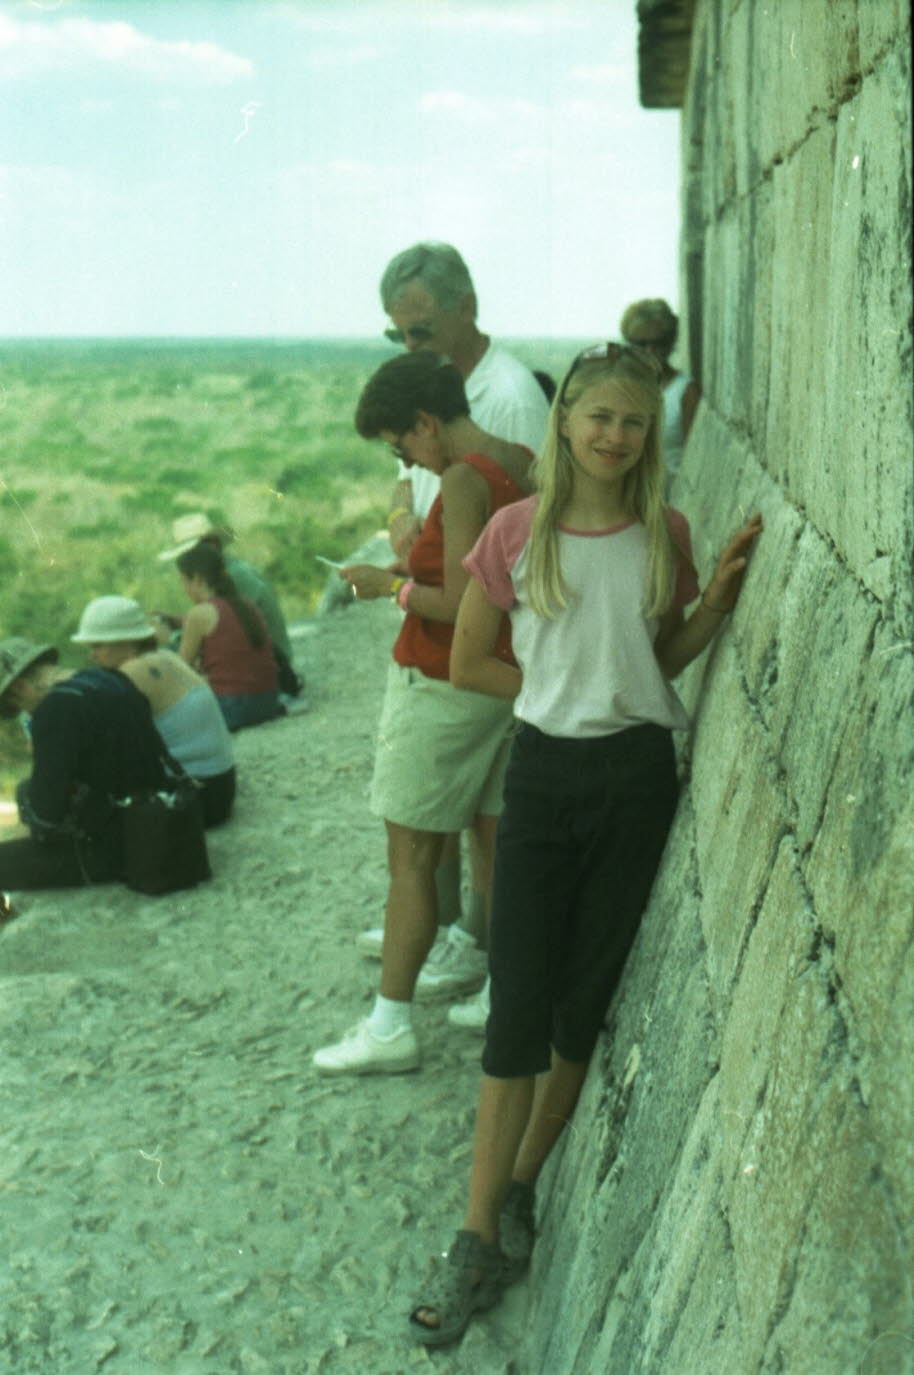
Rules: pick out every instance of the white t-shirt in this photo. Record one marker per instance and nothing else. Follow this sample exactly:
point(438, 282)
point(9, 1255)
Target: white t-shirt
point(506, 400)
point(591, 670)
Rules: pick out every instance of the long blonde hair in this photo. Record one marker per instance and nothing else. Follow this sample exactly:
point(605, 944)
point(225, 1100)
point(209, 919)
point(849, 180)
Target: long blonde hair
point(637, 374)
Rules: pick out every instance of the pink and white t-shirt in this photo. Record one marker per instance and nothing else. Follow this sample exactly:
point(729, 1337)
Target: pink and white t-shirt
point(591, 670)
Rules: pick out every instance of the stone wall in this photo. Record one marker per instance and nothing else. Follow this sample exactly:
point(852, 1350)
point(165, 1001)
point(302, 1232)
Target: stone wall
point(736, 1193)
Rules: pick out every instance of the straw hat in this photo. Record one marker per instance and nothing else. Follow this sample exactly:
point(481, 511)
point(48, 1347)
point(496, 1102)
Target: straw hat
point(16, 656)
point(109, 620)
point(190, 530)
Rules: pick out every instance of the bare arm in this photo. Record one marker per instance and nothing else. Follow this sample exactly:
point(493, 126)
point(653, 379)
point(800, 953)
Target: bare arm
point(402, 526)
point(199, 622)
point(473, 665)
point(679, 641)
point(465, 511)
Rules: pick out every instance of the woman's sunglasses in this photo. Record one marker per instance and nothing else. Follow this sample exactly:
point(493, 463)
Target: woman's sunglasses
point(611, 352)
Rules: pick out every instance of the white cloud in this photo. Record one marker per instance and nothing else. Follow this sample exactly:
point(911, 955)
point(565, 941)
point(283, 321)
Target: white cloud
point(517, 18)
point(32, 48)
point(471, 110)
point(350, 55)
point(604, 73)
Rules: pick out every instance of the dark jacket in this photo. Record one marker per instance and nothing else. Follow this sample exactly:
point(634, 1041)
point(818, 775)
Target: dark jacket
point(93, 741)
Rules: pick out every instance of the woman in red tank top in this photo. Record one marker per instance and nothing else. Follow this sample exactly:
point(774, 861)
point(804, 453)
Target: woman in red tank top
point(441, 751)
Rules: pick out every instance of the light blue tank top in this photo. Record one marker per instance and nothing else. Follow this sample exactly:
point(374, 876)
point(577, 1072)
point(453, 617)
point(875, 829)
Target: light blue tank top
point(195, 732)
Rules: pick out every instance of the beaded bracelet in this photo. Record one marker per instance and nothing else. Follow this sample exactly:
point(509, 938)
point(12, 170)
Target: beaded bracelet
point(396, 513)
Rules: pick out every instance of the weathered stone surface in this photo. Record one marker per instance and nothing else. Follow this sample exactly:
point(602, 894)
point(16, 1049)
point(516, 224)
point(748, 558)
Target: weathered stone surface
point(834, 1317)
point(737, 1193)
point(862, 488)
point(740, 819)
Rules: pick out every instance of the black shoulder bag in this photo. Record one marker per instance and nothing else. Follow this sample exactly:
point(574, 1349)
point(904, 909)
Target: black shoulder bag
point(164, 835)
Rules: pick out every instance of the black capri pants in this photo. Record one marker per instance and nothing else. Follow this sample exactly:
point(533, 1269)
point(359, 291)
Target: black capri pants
point(579, 843)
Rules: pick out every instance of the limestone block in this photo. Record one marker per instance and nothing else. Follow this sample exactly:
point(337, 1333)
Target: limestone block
point(800, 271)
point(743, 76)
point(827, 632)
point(861, 869)
point(889, 1093)
point(758, 226)
point(882, 26)
point(684, 1267)
point(848, 1297)
point(716, 486)
point(720, 312)
point(813, 670)
point(861, 489)
point(739, 819)
point(788, 1145)
point(777, 952)
point(804, 56)
point(757, 624)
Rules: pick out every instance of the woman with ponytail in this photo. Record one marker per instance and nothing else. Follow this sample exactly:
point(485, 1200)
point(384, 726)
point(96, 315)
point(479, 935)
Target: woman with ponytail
point(226, 636)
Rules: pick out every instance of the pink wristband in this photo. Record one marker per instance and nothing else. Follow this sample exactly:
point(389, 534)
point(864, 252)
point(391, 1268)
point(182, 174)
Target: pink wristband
point(403, 594)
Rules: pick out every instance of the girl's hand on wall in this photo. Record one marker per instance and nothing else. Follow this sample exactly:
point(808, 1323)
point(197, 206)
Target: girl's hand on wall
point(723, 589)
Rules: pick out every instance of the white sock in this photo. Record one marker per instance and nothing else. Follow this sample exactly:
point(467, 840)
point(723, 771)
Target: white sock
point(388, 1017)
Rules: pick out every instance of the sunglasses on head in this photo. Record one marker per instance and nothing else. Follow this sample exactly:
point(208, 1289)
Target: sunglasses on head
point(419, 334)
point(611, 352)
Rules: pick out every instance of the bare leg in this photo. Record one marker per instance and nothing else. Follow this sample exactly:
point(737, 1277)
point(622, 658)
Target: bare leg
point(482, 861)
point(447, 881)
point(555, 1096)
point(501, 1120)
point(504, 1107)
point(412, 909)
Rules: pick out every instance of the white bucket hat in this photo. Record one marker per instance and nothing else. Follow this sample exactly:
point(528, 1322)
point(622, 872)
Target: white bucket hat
point(190, 530)
point(109, 620)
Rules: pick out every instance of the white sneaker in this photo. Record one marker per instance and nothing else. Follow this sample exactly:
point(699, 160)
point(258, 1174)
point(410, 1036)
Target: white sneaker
point(455, 965)
point(370, 943)
point(294, 706)
point(473, 1014)
point(361, 1052)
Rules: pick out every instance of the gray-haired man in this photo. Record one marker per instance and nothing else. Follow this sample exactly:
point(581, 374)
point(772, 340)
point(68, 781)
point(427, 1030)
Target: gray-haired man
point(428, 293)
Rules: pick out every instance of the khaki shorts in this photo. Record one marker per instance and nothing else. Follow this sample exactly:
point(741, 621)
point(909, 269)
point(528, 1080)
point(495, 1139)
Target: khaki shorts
point(441, 754)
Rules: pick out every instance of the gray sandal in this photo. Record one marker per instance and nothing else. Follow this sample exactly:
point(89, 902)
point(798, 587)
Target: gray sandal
point(453, 1293)
point(517, 1229)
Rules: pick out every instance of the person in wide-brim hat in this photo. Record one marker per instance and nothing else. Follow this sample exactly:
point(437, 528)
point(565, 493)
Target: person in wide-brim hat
point(18, 659)
point(113, 620)
point(189, 530)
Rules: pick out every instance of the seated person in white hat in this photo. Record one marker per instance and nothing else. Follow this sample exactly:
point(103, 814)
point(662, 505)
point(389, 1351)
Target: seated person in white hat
point(184, 707)
point(92, 741)
point(196, 528)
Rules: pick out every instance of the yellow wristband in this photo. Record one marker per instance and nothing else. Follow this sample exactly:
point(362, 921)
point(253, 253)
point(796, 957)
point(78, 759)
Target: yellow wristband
point(396, 513)
point(395, 588)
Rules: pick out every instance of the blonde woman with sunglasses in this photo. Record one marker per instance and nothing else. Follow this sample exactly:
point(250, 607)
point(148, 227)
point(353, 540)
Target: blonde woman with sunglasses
point(594, 573)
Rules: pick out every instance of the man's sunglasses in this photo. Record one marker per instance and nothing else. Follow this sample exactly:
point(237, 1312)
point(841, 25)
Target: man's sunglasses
point(611, 352)
point(419, 334)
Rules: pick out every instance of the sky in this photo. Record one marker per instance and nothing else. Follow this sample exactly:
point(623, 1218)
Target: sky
point(246, 168)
